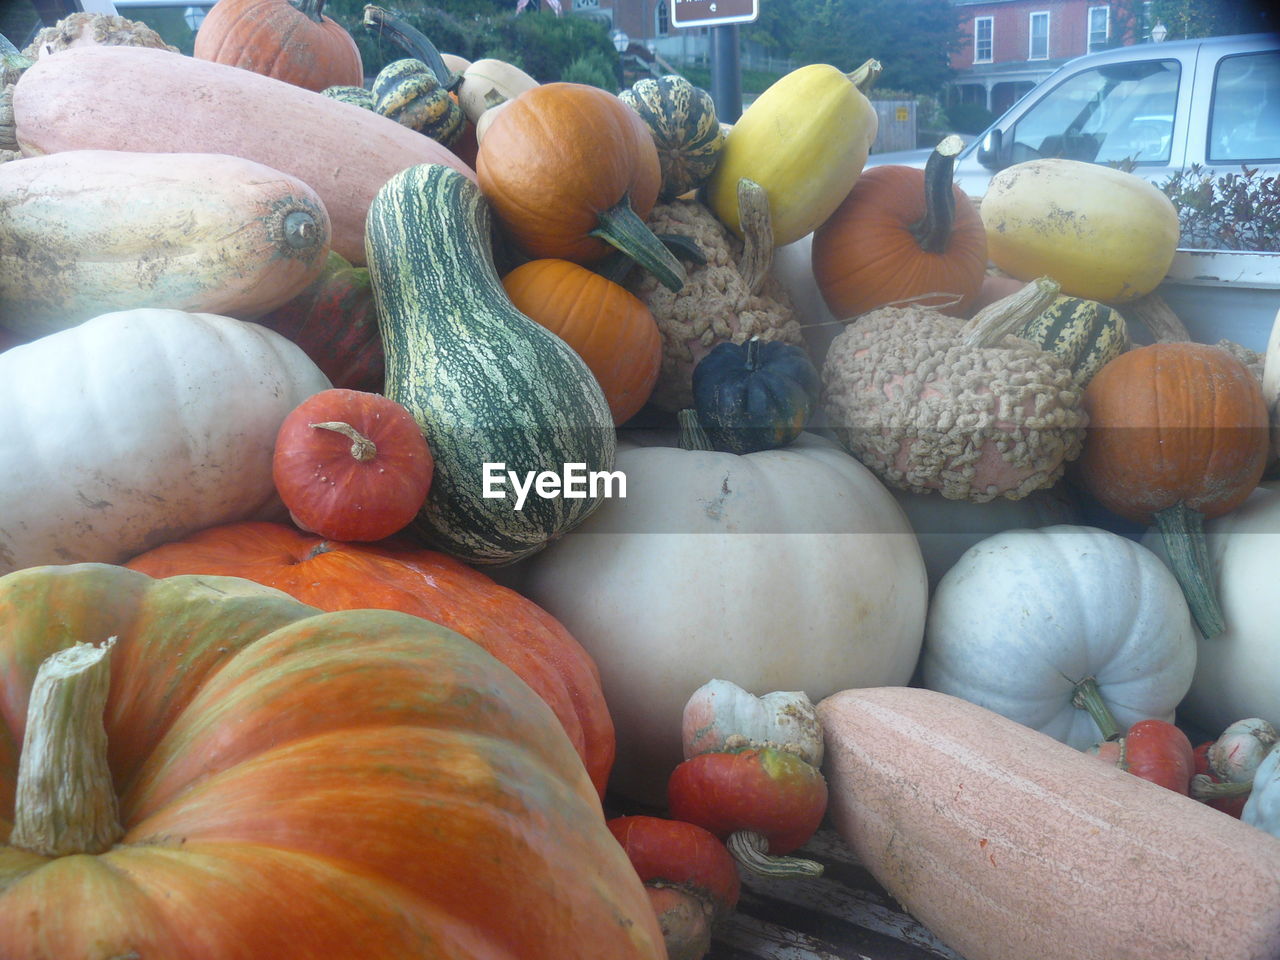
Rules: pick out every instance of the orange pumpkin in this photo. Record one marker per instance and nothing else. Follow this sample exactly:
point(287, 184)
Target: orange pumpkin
point(609, 327)
point(902, 233)
point(572, 172)
point(241, 776)
point(1178, 433)
point(395, 575)
point(291, 40)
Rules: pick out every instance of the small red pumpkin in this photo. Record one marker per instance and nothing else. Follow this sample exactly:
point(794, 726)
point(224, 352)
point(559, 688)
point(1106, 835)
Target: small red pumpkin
point(290, 40)
point(351, 465)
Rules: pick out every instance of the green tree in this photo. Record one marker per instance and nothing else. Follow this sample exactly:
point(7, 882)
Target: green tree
point(1212, 18)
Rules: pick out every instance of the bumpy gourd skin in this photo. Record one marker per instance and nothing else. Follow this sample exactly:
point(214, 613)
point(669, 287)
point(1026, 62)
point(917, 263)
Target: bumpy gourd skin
point(925, 412)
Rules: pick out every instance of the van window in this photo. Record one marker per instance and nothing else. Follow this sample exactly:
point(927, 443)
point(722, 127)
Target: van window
point(1244, 120)
point(1120, 111)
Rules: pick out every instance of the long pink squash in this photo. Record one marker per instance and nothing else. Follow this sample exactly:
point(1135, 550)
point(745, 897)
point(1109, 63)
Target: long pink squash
point(137, 98)
point(1010, 845)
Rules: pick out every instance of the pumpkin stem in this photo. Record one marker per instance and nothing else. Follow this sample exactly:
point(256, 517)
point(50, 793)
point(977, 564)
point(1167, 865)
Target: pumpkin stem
point(362, 448)
point(1183, 532)
point(413, 41)
point(1088, 697)
point(312, 9)
point(751, 850)
point(617, 266)
point(65, 801)
point(757, 234)
point(622, 228)
point(933, 230)
point(1203, 787)
point(692, 436)
point(1154, 313)
point(996, 321)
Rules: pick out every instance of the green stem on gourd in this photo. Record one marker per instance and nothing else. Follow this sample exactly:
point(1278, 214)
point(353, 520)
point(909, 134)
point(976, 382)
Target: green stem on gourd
point(865, 77)
point(65, 801)
point(413, 42)
point(752, 361)
point(617, 265)
point(1088, 697)
point(933, 230)
point(312, 9)
point(997, 320)
point(362, 448)
point(1204, 787)
point(1182, 530)
point(692, 436)
point(622, 228)
point(751, 850)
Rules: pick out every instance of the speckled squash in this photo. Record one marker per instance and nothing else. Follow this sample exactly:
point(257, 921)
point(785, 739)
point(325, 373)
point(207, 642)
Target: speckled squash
point(356, 96)
point(408, 92)
point(685, 130)
point(1085, 333)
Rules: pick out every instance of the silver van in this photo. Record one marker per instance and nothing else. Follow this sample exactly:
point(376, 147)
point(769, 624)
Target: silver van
point(1213, 101)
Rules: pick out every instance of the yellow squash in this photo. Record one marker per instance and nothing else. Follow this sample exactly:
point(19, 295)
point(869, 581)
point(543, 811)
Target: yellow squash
point(1103, 234)
point(805, 140)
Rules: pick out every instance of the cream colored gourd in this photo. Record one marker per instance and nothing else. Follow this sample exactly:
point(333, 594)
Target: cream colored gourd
point(1236, 674)
point(805, 140)
point(1026, 618)
point(87, 232)
point(1010, 846)
point(139, 427)
point(487, 83)
point(1103, 234)
point(789, 569)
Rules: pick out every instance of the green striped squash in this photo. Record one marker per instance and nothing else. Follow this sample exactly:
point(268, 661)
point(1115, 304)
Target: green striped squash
point(1085, 333)
point(408, 92)
point(682, 119)
point(486, 384)
point(356, 96)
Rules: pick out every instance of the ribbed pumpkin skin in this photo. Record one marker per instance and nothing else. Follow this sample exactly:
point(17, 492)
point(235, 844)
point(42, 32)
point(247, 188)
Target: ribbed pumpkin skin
point(555, 158)
point(396, 575)
point(1085, 333)
point(606, 324)
point(865, 256)
point(485, 383)
point(291, 41)
point(408, 92)
point(306, 786)
point(755, 395)
point(686, 131)
point(1170, 423)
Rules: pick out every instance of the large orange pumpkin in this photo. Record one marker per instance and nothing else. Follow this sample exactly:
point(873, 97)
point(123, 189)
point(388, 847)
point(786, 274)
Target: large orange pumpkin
point(291, 40)
point(606, 324)
point(271, 781)
point(396, 575)
point(902, 233)
point(1178, 433)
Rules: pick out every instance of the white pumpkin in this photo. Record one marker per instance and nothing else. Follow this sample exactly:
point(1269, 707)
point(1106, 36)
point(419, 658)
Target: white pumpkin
point(788, 569)
point(1026, 615)
point(139, 427)
point(1238, 671)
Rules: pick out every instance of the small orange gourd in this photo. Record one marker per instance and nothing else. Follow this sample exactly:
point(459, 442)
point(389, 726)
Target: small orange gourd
point(607, 325)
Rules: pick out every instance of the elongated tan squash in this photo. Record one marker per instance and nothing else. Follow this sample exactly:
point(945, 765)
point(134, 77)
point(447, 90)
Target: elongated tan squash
point(1010, 845)
point(87, 232)
point(133, 98)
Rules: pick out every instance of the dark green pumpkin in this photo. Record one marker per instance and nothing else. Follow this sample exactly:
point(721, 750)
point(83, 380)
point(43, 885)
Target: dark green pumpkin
point(408, 92)
point(356, 96)
point(756, 395)
point(1085, 333)
point(682, 119)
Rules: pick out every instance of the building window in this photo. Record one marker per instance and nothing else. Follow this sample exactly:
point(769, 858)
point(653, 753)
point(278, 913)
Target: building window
point(1039, 34)
point(983, 31)
point(1099, 27)
point(663, 19)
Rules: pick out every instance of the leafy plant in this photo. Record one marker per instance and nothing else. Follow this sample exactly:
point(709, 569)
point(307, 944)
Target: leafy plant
point(1231, 211)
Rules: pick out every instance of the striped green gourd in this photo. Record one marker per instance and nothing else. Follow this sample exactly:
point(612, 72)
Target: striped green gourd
point(408, 92)
point(485, 383)
point(682, 119)
point(356, 96)
point(1085, 333)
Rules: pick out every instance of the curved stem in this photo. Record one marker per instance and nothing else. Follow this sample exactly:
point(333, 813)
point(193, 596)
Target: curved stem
point(313, 9)
point(865, 77)
point(413, 42)
point(362, 448)
point(692, 436)
point(1088, 697)
point(751, 850)
point(1158, 317)
point(1182, 530)
point(933, 230)
point(65, 801)
point(1204, 787)
point(996, 321)
point(622, 228)
point(756, 224)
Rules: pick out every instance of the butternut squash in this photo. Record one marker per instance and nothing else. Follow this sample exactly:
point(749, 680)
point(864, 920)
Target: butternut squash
point(1010, 845)
point(135, 98)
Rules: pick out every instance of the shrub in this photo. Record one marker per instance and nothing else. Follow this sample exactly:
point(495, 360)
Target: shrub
point(1231, 211)
point(969, 117)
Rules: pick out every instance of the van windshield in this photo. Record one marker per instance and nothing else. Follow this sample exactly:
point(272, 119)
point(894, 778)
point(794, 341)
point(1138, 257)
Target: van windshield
point(1111, 113)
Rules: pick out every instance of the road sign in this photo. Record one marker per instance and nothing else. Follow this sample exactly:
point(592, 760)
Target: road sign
point(708, 13)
